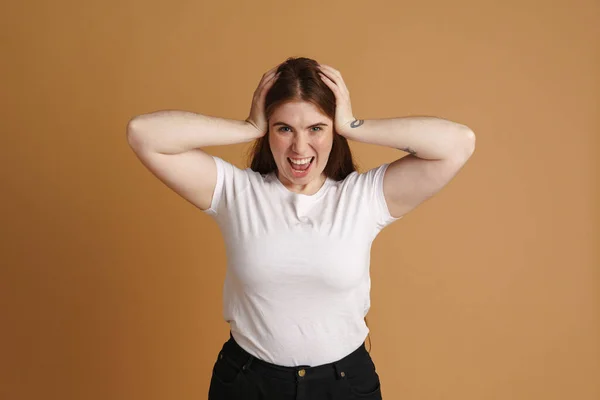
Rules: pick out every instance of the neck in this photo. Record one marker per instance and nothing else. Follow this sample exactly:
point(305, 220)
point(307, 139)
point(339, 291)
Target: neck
point(308, 188)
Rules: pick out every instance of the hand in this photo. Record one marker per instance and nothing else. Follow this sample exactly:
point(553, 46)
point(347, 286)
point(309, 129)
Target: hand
point(344, 120)
point(257, 117)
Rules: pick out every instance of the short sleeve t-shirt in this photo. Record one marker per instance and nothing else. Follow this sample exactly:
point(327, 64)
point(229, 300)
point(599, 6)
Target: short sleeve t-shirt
point(297, 284)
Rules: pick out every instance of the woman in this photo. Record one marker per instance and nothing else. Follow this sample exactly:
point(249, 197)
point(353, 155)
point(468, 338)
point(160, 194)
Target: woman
point(298, 225)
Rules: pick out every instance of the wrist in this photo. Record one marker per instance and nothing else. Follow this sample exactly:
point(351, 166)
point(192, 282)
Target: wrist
point(253, 131)
point(352, 129)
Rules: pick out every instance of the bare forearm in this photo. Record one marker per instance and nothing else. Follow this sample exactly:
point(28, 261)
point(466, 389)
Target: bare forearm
point(176, 131)
point(431, 138)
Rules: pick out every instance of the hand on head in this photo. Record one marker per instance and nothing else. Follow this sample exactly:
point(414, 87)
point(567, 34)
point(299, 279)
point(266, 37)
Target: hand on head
point(258, 118)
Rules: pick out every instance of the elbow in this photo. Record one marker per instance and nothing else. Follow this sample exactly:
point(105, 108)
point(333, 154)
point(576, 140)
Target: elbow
point(470, 140)
point(466, 143)
point(132, 132)
point(468, 132)
point(136, 124)
point(469, 137)
point(133, 125)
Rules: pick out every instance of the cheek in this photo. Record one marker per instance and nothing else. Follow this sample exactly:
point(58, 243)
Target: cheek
point(324, 144)
point(277, 144)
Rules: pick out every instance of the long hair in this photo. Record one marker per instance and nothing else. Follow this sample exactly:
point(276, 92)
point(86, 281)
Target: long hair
point(299, 81)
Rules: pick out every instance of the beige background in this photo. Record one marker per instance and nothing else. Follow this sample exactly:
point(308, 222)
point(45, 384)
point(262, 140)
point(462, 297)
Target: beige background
point(111, 284)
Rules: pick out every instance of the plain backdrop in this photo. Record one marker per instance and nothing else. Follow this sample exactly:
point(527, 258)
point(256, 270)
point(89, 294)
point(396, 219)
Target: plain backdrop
point(110, 283)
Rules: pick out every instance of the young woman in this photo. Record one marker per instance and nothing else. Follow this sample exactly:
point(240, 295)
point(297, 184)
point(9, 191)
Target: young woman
point(298, 224)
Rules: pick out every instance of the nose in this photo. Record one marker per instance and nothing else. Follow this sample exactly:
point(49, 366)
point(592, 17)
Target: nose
point(300, 143)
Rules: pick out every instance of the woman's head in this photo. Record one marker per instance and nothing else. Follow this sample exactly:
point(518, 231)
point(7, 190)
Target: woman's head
point(297, 101)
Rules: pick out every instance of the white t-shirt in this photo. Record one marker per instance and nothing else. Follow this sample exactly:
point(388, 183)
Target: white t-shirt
point(297, 284)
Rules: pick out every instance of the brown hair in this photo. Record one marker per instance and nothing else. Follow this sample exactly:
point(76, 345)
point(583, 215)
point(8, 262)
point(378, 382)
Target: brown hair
point(299, 81)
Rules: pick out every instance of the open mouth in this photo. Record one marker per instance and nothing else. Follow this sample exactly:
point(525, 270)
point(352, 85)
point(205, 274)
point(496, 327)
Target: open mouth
point(301, 169)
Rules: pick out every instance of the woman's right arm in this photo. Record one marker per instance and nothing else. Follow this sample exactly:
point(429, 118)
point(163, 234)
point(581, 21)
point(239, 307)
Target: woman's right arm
point(175, 131)
point(168, 144)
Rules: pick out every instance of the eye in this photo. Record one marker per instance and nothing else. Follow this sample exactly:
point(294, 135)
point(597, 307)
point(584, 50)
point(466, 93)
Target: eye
point(287, 127)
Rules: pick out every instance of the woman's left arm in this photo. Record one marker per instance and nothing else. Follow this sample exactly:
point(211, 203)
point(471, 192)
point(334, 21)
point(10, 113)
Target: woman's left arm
point(430, 138)
point(438, 148)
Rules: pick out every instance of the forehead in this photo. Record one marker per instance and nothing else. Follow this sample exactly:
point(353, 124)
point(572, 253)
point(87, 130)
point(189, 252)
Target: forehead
point(298, 112)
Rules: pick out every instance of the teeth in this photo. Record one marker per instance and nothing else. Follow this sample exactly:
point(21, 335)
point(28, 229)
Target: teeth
point(302, 161)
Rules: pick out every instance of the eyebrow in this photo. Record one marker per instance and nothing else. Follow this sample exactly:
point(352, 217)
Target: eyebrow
point(310, 126)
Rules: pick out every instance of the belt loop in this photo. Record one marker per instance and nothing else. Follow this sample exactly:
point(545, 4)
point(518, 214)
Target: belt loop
point(248, 362)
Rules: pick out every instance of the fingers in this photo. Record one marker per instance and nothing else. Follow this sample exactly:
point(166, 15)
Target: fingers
point(269, 75)
point(273, 69)
point(333, 78)
point(265, 86)
point(330, 83)
point(270, 80)
point(268, 84)
point(267, 80)
point(270, 72)
point(331, 70)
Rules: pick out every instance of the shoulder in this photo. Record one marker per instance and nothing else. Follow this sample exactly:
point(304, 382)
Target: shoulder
point(230, 170)
point(236, 184)
point(232, 180)
point(369, 178)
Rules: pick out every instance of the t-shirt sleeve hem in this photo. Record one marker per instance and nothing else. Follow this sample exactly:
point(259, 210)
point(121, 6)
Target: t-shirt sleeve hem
point(216, 197)
point(385, 218)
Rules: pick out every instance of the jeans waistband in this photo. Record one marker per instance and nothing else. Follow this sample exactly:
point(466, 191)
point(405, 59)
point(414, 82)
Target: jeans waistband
point(244, 360)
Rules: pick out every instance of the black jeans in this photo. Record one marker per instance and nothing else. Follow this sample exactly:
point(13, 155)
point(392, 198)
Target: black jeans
point(237, 375)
